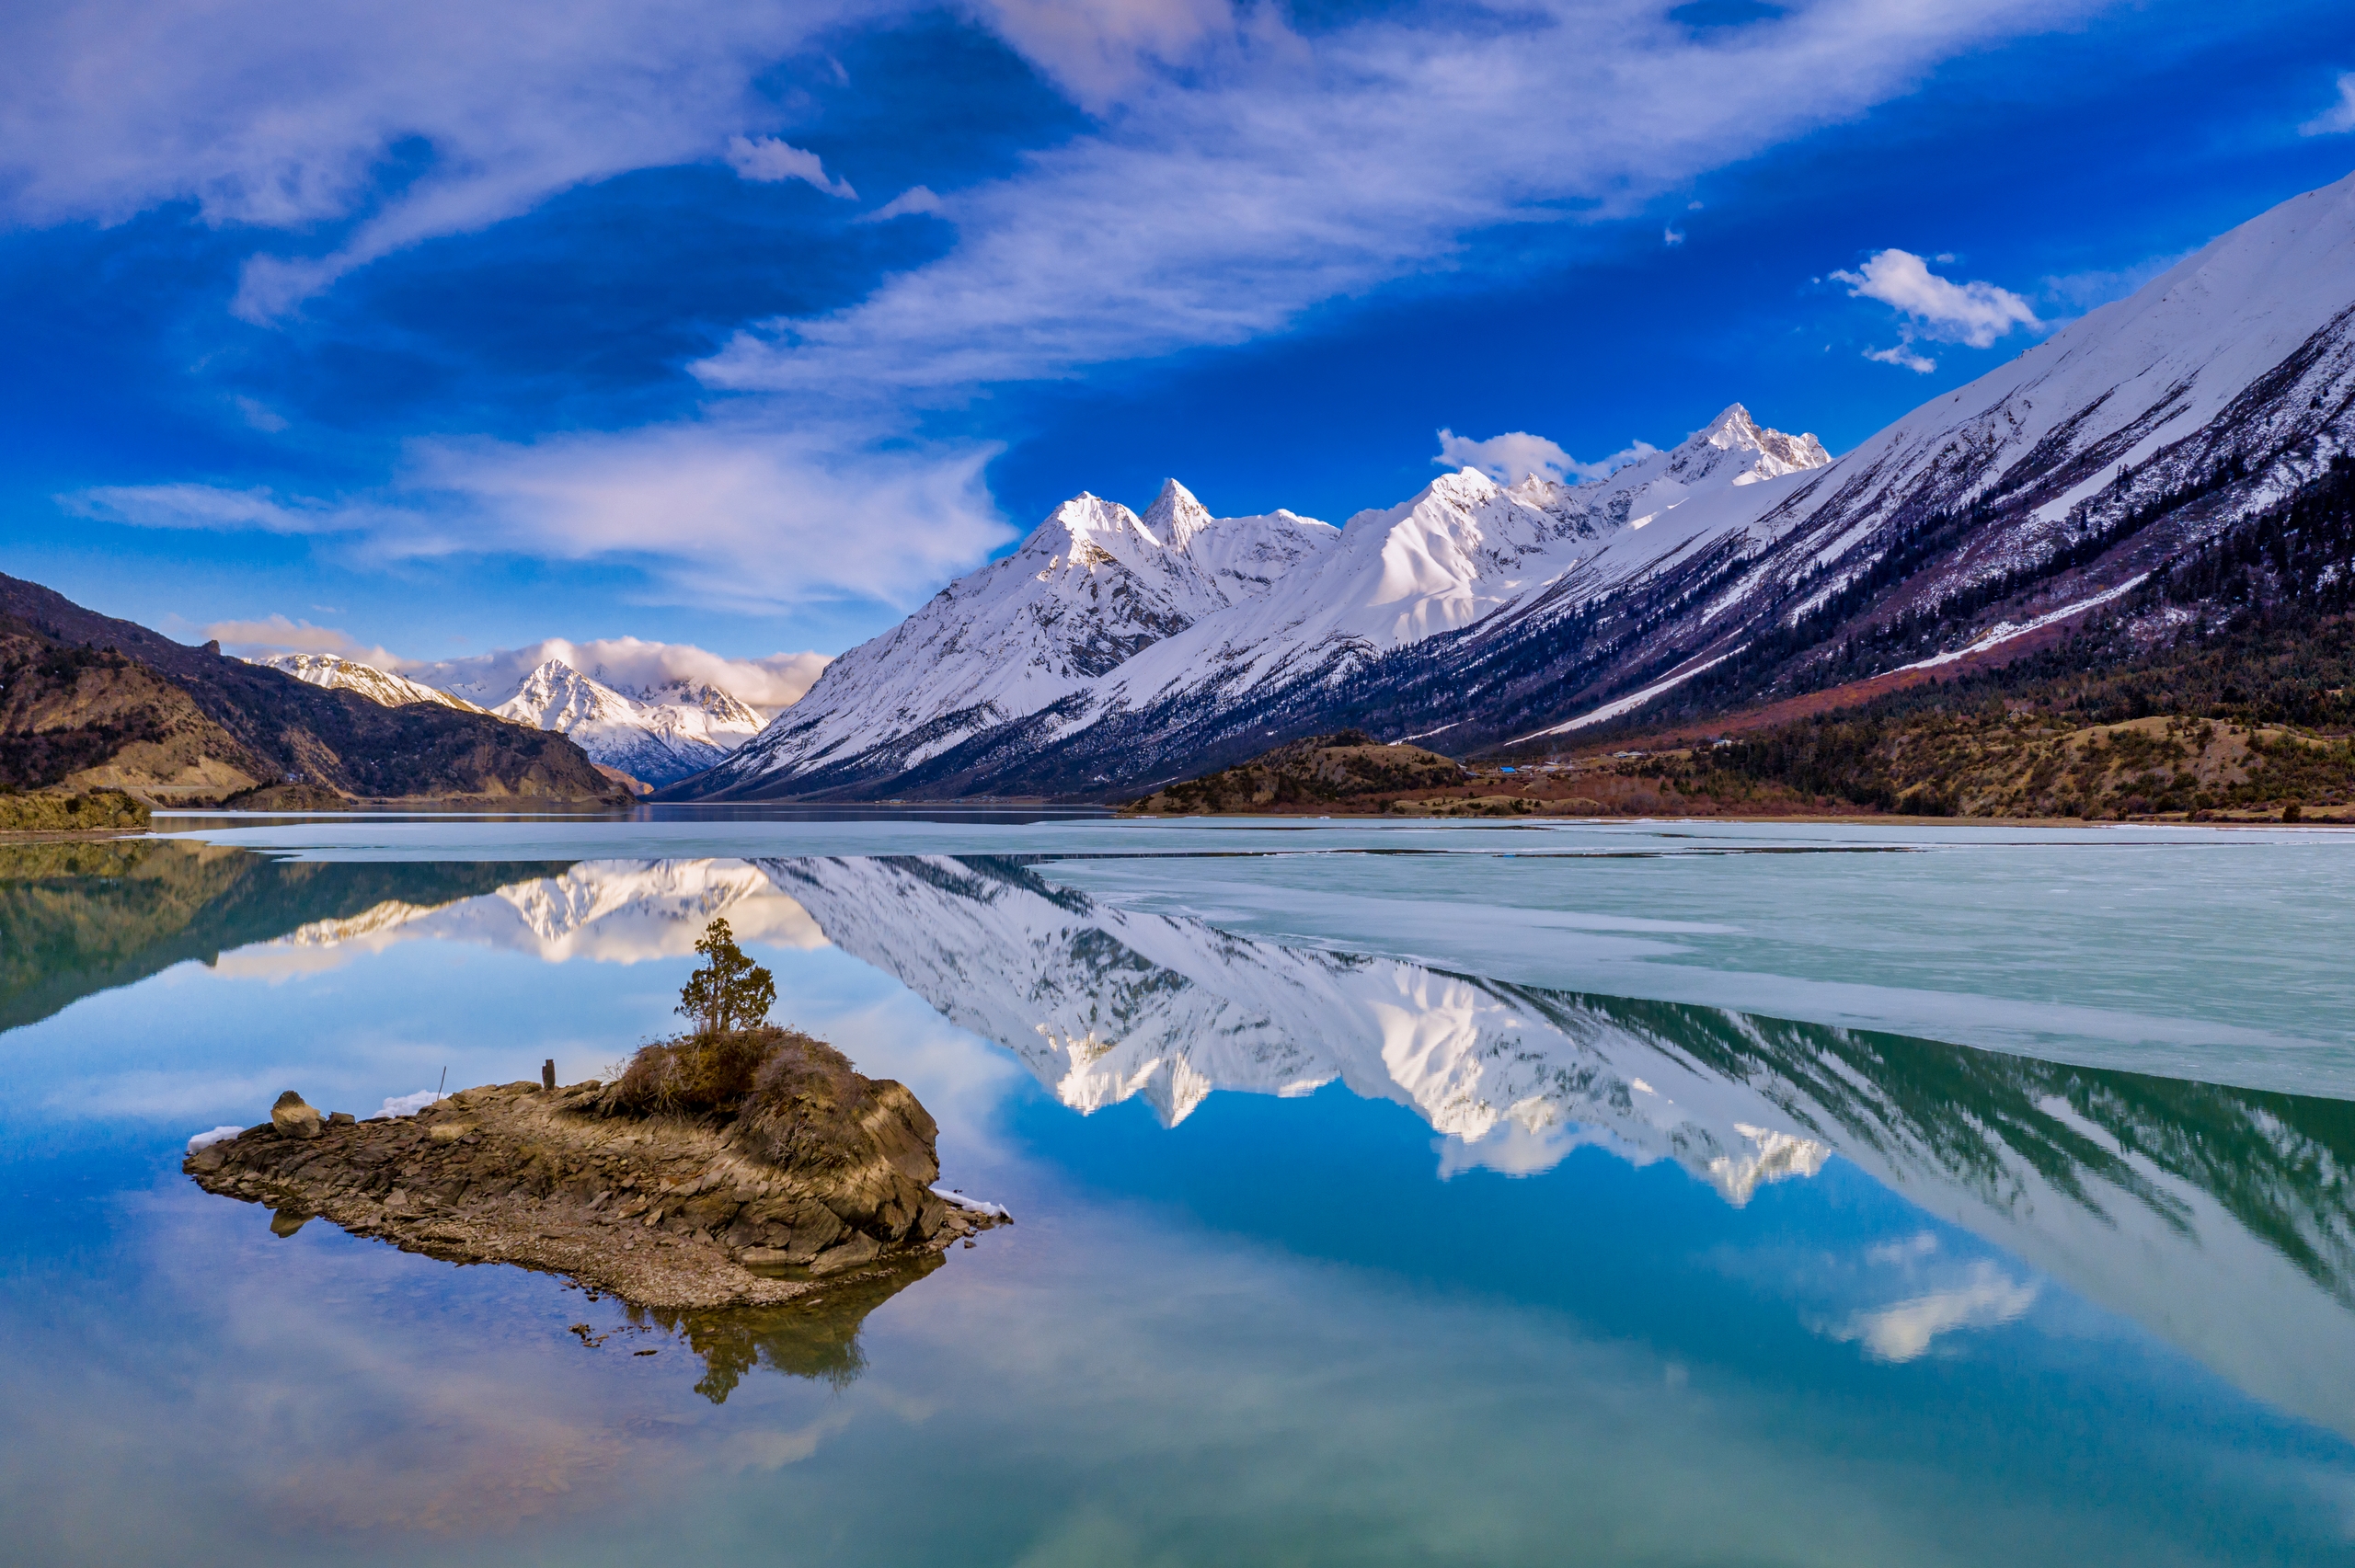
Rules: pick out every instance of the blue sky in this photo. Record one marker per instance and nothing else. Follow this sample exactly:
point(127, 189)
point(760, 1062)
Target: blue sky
point(428, 330)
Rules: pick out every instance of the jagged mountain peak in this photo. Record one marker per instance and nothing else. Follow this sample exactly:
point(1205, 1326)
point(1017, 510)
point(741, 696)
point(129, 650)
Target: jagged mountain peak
point(1776, 453)
point(1732, 449)
point(1176, 517)
point(1086, 518)
point(725, 706)
point(554, 684)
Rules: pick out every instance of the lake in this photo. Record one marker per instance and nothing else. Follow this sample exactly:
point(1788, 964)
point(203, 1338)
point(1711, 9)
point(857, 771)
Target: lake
point(1385, 1193)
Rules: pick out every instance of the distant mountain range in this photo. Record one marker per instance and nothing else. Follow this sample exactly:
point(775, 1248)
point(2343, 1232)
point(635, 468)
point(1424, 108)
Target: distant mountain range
point(89, 701)
point(651, 736)
point(658, 735)
point(1112, 652)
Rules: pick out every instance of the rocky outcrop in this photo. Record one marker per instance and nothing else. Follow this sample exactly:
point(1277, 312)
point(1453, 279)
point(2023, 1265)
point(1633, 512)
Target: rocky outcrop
point(291, 1118)
point(752, 1169)
point(1349, 766)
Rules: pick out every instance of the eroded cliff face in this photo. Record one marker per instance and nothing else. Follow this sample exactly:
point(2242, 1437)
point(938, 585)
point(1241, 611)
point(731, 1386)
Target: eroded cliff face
point(818, 1178)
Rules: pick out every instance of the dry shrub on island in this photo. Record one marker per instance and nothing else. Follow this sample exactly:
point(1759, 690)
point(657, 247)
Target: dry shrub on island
point(795, 1101)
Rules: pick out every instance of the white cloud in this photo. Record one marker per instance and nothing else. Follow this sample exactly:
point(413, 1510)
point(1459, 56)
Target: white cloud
point(2339, 117)
point(1903, 356)
point(1976, 314)
point(1671, 237)
point(1905, 1331)
point(915, 198)
point(1513, 456)
point(770, 158)
point(279, 635)
point(736, 516)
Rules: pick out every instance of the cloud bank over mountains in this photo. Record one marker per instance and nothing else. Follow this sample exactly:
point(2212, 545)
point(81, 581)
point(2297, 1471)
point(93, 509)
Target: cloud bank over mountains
point(631, 664)
point(1231, 173)
point(634, 665)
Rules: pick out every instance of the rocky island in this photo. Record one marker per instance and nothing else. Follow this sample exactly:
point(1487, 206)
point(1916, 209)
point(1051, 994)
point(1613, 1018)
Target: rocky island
point(736, 1166)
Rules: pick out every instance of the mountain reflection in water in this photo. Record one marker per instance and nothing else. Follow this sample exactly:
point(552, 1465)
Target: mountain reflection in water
point(77, 918)
point(2218, 1218)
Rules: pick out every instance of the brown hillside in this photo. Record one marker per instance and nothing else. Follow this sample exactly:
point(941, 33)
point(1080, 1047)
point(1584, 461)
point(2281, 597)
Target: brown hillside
point(105, 702)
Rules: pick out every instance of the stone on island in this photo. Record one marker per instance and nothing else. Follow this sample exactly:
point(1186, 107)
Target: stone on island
point(735, 1169)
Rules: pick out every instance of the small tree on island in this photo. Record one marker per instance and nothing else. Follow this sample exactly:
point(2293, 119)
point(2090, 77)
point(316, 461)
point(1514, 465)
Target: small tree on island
point(731, 991)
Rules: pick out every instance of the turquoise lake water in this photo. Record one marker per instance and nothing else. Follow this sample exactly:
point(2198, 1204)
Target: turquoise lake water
point(1632, 1193)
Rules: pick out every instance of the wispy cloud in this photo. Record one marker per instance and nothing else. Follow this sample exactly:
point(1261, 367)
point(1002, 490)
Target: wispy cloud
point(2339, 117)
point(733, 515)
point(222, 508)
point(1234, 175)
point(278, 634)
point(279, 118)
point(915, 198)
point(773, 158)
point(1277, 173)
point(740, 516)
point(1515, 456)
point(1102, 51)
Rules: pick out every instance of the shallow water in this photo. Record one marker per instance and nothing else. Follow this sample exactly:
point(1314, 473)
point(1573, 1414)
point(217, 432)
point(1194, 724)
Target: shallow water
point(1629, 1193)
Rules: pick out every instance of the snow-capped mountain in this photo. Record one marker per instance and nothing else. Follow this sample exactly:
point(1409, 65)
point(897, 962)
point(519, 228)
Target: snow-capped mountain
point(1737, 566)
point(1091, 586)
point(2236, 1243)
point(1102, 613)
point(2043, 491)
point(663, 735)
point(367, 680)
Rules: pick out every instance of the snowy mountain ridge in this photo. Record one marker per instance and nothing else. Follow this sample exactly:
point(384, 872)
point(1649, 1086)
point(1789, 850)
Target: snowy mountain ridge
point(660, 738)
point(658, 734)
point(1101, 612)
point(334, 673)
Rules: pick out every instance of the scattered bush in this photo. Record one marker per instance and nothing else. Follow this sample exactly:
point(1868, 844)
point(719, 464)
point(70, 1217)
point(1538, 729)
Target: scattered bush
point(102, 809)
point(795, 1101)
